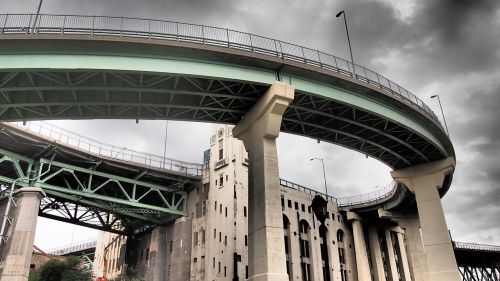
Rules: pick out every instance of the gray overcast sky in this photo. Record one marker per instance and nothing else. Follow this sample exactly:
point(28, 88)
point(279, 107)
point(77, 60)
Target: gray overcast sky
point(445, 47)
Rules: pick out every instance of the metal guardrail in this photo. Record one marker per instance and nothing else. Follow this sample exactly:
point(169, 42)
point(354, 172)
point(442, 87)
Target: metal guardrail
point(378, 196)
point(74, 247)
point(476, 247)
point(304, 189)
point(367, 199)
point(207, 35)
point(56, 134)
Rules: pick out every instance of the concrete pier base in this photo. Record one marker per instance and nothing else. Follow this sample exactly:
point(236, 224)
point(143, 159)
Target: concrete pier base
point(425, 180)
point(16, 253)
point(258, 130)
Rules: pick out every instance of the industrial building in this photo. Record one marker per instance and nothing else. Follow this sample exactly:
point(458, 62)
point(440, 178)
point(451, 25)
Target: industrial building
point(211, 242)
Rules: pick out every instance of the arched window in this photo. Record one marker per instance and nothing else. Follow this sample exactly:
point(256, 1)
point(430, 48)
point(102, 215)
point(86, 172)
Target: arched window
point(340, 235)
point(323, 239)
point(304, 241)
point(304, 227)
point(286, 232)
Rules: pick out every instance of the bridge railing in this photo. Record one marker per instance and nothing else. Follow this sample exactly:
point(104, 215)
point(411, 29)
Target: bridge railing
point(362, 200)
point(476, 247)
point(74, 247)
point(60, 135)
point(304, 189)
point(206, 35)
point(378, 196)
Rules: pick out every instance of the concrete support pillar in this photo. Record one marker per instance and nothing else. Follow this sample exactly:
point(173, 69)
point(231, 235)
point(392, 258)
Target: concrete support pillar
point(181, 252)
point(403, 258)
point(425, 180)
point(157, 254)
point(16, 254)
point(376, 254)
point(415, 250)
point(362, 264)
point(258, 130)
point(392, 266)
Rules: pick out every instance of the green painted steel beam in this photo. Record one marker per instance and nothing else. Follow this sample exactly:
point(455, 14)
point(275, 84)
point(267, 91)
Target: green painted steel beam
point(110, 176)
point(370, 104)
point(200, 68)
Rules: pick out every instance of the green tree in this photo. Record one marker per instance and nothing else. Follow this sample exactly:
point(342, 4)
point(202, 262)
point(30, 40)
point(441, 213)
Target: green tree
point(69, 269)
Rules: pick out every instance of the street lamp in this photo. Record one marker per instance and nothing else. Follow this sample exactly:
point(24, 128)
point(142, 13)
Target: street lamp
point(324, 174)
point(442, 113)
point(348, 40)
point(37, 14)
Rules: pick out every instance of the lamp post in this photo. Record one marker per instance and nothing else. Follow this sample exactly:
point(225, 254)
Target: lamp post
point(324, 174)
point(348, 40)
point(442, 113)
point(37, 15)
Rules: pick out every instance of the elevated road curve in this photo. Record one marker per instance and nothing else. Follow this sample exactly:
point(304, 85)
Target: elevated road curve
point(95, 67)
point(82, 67)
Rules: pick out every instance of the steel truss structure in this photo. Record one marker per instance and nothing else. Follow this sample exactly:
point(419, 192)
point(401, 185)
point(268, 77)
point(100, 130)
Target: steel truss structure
point(92, 196)
point(478, 262)
point(68, 94)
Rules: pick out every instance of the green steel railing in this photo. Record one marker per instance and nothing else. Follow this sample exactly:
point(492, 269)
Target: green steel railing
point(65, 137)
point(205, 35)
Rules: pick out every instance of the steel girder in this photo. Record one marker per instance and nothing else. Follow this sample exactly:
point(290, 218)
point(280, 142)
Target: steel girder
point(134, 95)
point(94, 199)
point(479, 273)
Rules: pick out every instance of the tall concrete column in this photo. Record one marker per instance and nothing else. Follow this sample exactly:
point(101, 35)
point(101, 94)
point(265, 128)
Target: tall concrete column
point(16, 254)
point(376, 254)
point(157, 252)
point(258, 130)
point(393, 270)
point(424, 180)
point(362, 264)
point(401, 250)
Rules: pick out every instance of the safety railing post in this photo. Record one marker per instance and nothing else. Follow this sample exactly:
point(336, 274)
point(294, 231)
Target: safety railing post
point(93, 25)
point(64, 25)
point(228, 42)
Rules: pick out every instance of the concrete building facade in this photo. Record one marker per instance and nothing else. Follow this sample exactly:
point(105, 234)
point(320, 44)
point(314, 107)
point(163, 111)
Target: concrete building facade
point(211, 243)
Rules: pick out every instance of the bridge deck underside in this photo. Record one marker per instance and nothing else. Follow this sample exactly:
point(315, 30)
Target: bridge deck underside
point(35, 95)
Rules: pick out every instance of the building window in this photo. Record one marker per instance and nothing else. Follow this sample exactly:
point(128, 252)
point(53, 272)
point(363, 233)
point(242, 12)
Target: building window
point(221, 180)
point(246, 240)
point(171, 246)
point(282, 202)
point(303, 207)
point(244, 211)
point(204, 207)
point(225, 240)
point(226, 211)
point(213, 262)
point(203, 236)
point(195, 239)
point(215, 205)
point(289, 203)
point(224, 271)
point(215, 233)
point(297, 206)
point(340, 235)
point(219, 267)
point(246, 272)
point(221, 151)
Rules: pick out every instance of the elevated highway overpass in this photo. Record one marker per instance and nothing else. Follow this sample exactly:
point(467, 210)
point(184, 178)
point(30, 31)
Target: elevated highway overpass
point(92, 67)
